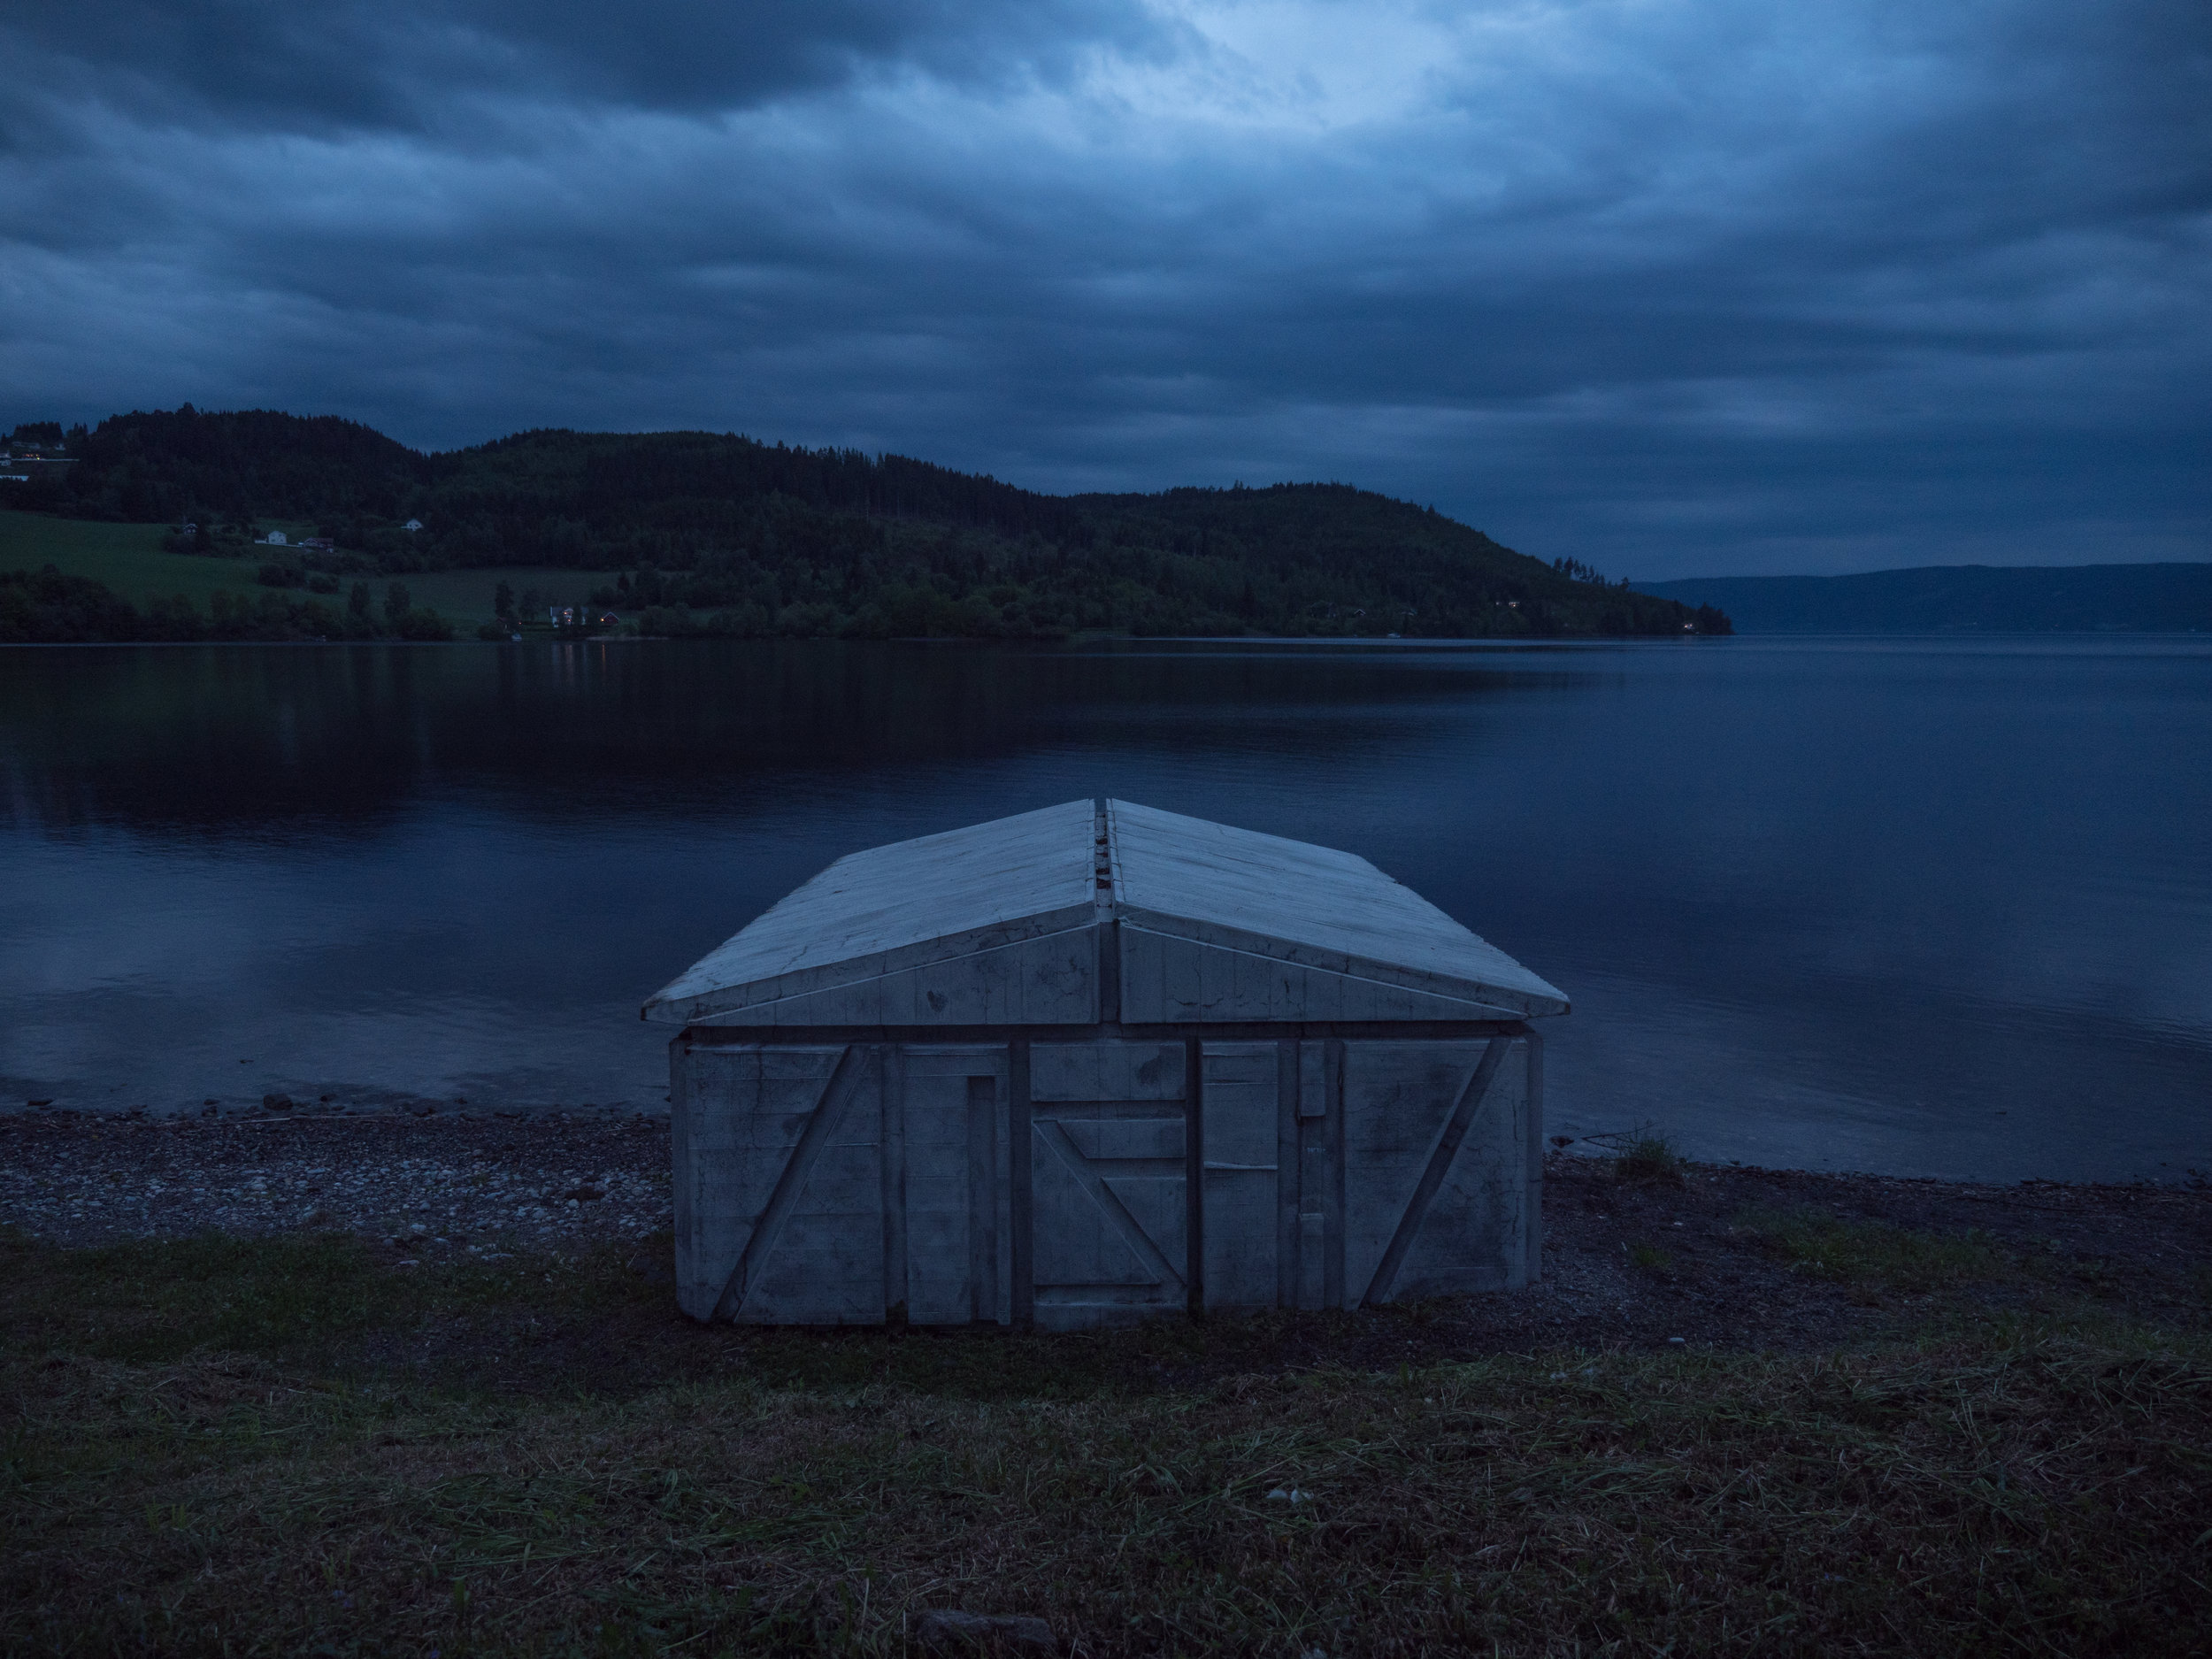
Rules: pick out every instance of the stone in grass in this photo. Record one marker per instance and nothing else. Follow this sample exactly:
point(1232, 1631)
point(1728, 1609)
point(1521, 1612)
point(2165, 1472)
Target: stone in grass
point(949, 1630)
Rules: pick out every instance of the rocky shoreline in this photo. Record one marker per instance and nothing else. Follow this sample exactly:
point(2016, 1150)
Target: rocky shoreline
point(456, 1182)
point(350, 1101)
point(1704, 1256)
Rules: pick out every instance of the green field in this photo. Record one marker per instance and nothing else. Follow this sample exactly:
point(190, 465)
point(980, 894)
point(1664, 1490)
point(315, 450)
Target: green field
point(129, 558)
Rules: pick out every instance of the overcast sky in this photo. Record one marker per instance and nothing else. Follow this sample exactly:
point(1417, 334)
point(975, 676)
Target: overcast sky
point(1676, 288)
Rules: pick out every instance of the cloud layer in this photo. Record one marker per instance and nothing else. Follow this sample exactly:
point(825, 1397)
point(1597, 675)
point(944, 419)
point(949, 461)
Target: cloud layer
point(1676, 288)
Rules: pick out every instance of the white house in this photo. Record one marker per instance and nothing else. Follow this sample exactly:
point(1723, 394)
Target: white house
point(412, 524)
point(275, 538)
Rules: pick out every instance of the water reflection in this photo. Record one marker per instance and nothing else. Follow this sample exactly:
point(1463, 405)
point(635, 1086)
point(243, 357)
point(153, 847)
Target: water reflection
point(1825, 902)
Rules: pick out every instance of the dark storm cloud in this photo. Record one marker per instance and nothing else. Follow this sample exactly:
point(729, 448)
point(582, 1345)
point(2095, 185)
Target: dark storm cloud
point(1676, 288)
point(282, 65)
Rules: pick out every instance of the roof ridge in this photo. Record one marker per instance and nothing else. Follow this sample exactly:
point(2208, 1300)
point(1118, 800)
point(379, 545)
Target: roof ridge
point(1089, 865)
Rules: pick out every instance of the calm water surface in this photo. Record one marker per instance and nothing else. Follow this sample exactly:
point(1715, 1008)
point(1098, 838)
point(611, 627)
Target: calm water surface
point(1918, 906)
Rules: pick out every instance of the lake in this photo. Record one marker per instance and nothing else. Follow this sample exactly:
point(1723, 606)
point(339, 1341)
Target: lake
point(1934, 907)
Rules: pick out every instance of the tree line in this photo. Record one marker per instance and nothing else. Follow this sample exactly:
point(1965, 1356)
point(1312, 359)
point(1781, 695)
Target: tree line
point(45, 607)
point(720, 533)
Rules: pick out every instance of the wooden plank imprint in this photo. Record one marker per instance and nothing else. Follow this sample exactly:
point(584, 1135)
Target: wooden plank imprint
point(1241, 1094)
point(815, 1255)
point(951, 1106)
point(1109, 1184)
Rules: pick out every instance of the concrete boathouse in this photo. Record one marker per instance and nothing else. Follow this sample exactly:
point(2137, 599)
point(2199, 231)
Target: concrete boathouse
point(1096, 1062)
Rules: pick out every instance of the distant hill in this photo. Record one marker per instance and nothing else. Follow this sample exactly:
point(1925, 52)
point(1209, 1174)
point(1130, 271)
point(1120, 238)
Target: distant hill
point(1963, 599)
point(715, 534)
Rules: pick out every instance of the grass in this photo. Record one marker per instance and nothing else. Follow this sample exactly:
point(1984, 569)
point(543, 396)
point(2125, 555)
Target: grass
point(296, 1297)
point(292, 1447)
point(129, 558)
point(1647, 1157)
point(1860, 1252)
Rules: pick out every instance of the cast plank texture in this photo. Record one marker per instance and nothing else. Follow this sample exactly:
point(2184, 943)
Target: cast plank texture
point(822, 955)
point(1280, 924)
point(1197, 1131)
point(1008, 923)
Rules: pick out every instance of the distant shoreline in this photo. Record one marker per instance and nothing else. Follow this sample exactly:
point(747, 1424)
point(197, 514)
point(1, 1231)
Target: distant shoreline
point(1580, 642)
point(2173, 597)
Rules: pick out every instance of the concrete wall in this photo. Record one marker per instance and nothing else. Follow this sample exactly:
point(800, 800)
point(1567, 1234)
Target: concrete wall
point(1017, 1182)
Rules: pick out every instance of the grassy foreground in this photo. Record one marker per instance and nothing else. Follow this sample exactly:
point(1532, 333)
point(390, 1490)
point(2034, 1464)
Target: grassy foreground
point(292, 1446)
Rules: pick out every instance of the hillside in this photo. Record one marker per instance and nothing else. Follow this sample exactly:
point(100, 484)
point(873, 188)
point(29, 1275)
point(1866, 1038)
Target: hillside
point(716, 533)
point(130, 560)
point(1963, 598)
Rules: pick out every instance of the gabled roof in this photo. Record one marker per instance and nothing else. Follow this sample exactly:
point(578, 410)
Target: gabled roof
point(1294, 902)
point(1010, 922)
point(911, 904)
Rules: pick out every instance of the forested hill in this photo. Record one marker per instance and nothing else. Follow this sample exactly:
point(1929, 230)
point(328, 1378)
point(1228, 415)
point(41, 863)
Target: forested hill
point(717, 533)
point(1965, 599)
